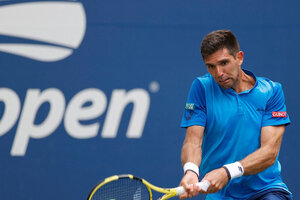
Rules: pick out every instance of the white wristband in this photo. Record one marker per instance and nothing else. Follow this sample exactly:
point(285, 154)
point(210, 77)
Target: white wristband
point(234, 170)
point(189, 166)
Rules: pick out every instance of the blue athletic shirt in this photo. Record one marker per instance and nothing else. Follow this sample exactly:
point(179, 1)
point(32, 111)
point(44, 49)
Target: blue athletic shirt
point(233, 125)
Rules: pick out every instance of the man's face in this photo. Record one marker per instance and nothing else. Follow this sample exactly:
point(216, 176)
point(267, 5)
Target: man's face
point(224, 67)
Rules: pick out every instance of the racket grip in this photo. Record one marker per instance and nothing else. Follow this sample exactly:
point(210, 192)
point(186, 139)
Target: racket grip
point(204, 185)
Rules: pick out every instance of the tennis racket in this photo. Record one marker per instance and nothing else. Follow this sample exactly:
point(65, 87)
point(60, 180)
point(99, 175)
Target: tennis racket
point(130, 187)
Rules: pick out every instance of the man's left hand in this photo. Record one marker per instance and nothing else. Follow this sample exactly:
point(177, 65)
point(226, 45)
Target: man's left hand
point(218, 179)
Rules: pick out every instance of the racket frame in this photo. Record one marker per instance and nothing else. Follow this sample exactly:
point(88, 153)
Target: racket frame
point(169, 192)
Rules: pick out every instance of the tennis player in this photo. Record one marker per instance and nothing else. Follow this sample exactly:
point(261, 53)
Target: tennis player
point(235, 122)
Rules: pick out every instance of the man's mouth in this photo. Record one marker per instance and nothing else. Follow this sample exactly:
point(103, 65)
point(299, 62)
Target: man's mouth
point(224, 80)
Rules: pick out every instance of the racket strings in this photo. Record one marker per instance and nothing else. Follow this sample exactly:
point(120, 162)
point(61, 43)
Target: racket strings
point(122, 189)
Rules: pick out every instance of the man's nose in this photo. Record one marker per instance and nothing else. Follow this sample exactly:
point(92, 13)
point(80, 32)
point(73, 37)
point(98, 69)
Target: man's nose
point(219, 71)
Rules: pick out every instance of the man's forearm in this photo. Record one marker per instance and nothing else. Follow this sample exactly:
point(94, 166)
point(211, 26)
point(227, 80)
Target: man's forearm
point(259, 160)
point(191, 149)
point(191, 152)
point(266, 155)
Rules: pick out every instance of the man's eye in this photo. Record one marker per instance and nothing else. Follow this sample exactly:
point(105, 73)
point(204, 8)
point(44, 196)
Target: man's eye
point(223, 63)
point(210, 66)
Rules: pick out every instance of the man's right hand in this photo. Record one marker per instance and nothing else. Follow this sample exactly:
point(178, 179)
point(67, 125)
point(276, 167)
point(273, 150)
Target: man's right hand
point(189, 181)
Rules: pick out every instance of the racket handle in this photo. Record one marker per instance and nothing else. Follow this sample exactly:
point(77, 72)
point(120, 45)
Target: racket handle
point(204, 185)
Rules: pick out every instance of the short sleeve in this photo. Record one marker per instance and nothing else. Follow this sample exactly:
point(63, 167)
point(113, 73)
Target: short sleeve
point(275, 113)
point(195, 107)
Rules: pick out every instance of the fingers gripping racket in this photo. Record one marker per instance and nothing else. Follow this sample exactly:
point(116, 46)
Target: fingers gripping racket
point(129, 187)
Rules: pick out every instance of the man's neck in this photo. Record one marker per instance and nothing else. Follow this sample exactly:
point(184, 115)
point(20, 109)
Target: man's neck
point(244, 82)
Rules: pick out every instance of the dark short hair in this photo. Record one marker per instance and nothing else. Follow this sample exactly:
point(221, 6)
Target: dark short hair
point(217, 40)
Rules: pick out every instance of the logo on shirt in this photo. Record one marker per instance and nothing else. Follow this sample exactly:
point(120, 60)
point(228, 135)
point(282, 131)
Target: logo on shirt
point(279, 114)
point(189, 106)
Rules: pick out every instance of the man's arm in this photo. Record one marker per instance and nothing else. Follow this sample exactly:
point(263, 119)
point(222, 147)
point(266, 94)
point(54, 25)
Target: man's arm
point(191, 152)
point(192, 146)
point(255, 162)
point(266, 155)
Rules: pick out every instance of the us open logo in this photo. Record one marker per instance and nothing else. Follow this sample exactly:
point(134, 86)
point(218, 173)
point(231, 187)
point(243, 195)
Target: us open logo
point(46, 31)
point(50, 31)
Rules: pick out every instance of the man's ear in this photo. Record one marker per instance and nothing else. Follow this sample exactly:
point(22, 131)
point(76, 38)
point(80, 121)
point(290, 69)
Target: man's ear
point(240, 57)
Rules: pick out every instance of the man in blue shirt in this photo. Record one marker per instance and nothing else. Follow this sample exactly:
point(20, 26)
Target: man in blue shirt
point(235, 123)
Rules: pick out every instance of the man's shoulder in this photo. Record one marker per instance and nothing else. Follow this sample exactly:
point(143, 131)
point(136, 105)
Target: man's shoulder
point(266, 85)
point(205, 80)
